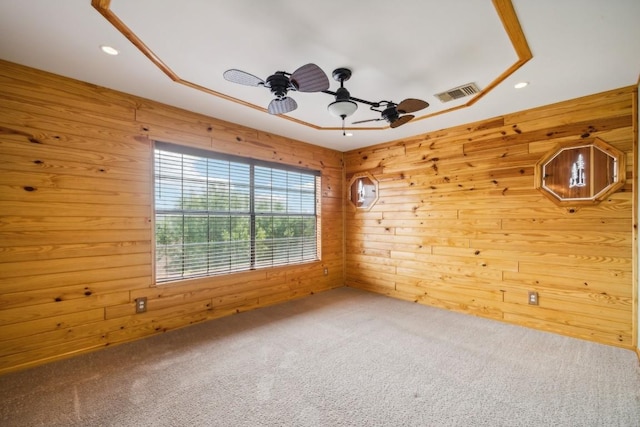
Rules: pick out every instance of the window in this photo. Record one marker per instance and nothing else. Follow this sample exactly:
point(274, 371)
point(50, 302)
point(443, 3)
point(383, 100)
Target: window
point(217, 214)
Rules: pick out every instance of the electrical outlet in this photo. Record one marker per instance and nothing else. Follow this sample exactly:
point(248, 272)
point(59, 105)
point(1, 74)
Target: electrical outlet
point(533, 298)
point(141, 304)
point(326, 271)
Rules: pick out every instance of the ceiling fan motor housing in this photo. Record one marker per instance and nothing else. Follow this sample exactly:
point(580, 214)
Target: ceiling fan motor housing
point(390, 114)
point(279, 84)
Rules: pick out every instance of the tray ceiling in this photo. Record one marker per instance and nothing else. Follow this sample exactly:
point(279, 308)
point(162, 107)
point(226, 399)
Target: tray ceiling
point(416, 49)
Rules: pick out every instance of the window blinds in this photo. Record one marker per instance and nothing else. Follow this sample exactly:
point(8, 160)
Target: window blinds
point(217, 214)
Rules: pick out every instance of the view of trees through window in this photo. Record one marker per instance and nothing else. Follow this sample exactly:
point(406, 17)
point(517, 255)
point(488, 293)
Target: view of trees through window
point(216, 214)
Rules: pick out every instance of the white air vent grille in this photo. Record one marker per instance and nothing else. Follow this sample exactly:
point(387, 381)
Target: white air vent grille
point(458, 92)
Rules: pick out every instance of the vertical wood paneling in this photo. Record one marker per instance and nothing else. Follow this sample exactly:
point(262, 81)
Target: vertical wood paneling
point(76, 214)
point(459, 224)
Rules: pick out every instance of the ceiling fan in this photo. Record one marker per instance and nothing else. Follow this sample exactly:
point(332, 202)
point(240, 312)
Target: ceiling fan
point(308, 78)
point(396, 114)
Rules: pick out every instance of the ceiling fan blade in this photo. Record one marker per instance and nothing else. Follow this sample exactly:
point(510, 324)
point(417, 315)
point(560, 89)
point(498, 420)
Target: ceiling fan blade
point(282, 105)
point(402, 120)
point(411, 105)
point(365, 121)
point(310, 78)
point(242, 77)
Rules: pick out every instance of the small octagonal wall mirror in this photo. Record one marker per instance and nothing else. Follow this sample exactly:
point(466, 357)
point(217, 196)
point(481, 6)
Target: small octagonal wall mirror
point(363, 191)
point(580, 173)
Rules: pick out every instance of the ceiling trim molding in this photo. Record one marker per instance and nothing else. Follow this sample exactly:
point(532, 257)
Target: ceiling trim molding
point(504, 9)
point(511, 24)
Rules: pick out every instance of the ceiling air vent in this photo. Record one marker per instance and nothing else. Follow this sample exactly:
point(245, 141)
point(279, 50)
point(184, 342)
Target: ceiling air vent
point(458, 92)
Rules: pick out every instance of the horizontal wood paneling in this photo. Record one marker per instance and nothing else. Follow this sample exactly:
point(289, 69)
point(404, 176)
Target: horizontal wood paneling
point(76, 219)
point(459, 224)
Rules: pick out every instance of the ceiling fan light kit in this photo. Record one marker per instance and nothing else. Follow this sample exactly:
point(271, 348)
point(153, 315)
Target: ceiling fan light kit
point(343, 106)
point(311, 78)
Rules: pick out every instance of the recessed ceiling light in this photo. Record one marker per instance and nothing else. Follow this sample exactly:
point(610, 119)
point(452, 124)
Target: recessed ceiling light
point(109, 50)
point(521, 85)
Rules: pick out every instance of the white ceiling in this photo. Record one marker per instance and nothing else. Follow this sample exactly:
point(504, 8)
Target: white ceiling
point(396, 50)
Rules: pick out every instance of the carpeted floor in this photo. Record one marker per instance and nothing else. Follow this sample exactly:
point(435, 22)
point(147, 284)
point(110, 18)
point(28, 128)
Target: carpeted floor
point(339, 358)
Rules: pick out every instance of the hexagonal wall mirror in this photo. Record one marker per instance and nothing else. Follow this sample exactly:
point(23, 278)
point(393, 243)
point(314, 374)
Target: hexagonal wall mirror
point(363, 191)
point(580, 173)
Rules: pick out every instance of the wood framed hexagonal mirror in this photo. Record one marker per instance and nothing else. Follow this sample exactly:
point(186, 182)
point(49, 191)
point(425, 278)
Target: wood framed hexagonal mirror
point(363, 191)
point(580, 173)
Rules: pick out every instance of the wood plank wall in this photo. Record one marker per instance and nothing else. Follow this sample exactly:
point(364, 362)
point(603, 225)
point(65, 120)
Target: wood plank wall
point(460, 226)
point(76, 219)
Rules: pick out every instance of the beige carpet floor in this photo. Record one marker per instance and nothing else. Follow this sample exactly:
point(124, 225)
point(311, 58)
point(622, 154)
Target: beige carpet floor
point(339, 358)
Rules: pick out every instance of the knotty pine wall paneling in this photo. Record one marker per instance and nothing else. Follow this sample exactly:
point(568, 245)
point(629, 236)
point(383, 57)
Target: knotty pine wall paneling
point(459, 224)
point(76, 213)
point(636, 246)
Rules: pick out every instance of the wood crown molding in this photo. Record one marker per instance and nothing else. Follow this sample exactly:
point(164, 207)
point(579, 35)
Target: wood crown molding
point(504, 8)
